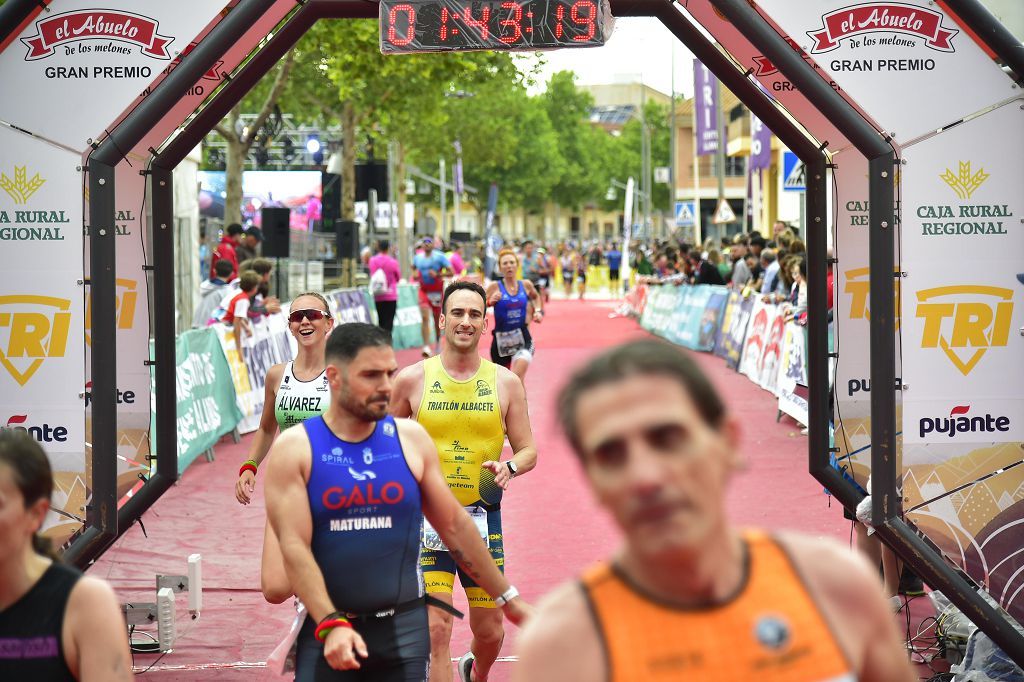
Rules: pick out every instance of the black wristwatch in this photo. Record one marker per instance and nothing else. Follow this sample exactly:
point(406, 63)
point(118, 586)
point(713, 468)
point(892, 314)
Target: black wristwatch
point(512, 469)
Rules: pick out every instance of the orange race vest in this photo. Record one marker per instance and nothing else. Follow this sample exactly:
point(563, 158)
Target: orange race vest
point(771, 630)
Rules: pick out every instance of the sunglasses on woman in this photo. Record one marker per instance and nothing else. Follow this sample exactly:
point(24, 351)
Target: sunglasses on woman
point(311, 314)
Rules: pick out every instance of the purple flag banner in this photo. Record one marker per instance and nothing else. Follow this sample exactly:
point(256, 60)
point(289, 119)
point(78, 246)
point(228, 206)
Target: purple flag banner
point(760, 144)
point(705, 108)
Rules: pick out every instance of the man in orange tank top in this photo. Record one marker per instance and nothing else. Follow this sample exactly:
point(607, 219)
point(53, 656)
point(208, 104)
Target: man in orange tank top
point(687, 596)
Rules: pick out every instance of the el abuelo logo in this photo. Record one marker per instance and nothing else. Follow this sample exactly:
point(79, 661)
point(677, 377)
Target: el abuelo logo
point(108, 27)
point(958, 421)
point(32, 330)
point(965, 321)
point(964, 219)
point(858, 22)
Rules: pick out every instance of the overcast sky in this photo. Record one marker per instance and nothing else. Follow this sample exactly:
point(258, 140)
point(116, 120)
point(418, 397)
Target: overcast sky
point(639, 46)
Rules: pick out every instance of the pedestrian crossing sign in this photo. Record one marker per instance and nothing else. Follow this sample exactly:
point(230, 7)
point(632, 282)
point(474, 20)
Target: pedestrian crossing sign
point(795, 173)
point(685, 214)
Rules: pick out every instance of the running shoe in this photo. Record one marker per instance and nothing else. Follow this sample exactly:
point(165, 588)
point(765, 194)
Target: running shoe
point(466, 667)
point(427, 352)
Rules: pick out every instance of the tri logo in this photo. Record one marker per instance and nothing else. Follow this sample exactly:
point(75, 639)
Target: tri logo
point(964, 321)
point(32, 329)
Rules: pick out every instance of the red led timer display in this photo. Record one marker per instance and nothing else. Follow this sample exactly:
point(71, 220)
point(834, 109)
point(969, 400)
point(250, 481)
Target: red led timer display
point(450, 25)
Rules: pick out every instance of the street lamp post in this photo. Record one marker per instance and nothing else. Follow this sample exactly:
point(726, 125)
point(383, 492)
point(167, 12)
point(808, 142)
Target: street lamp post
point(457, 187)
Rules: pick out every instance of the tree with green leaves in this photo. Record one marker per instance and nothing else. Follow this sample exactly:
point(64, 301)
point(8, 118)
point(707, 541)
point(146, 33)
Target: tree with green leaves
point(261, 99)
point(585, 147)
point(629, 145)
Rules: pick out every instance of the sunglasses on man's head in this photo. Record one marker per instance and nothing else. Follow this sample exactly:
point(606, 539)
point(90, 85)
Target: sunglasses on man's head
point(311, 314)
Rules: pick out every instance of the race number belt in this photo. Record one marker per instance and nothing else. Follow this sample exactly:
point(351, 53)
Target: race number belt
point(434, 297)
point(510, 342)
point(432, 541)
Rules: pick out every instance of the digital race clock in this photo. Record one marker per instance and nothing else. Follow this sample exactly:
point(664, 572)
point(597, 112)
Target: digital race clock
point(450, 25)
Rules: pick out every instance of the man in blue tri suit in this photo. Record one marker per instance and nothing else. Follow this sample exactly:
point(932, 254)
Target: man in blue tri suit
point(346, 495)
point(430, 267)
point(614, 258)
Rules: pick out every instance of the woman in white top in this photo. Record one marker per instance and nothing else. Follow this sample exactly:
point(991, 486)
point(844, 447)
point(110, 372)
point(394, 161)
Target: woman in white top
point(295, 391)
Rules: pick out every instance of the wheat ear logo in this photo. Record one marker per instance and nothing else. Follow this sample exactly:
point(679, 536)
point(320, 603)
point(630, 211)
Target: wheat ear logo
point(964, 183)
point(20, 188)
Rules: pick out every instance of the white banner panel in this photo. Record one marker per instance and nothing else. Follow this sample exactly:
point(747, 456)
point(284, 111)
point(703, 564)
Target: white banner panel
point(852, 314)
point(964, 253)
point(42, 361)
point(106, 56)
point(907, 64)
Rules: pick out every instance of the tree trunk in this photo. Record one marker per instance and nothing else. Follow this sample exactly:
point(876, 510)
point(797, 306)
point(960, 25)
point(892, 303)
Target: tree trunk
point(240, 144)
point(348, 161)
point(403, 233)
point(233, 167)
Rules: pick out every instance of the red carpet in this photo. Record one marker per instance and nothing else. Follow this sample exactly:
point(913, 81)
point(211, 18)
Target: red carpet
point(552, 527)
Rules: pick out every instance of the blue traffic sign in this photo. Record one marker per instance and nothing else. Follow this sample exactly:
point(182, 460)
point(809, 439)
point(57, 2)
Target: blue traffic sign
point(685, 213)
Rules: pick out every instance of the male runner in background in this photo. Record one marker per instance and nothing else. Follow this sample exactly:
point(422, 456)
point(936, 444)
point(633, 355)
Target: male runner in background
point(430, 268)
point(467, 405)
point(688, 596)
point(346, 494)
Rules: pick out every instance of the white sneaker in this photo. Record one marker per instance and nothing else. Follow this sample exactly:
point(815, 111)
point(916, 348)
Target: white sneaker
point(465, 667)
point(427, 351)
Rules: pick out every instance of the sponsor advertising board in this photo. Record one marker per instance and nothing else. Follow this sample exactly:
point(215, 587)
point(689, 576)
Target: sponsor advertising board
point(42, 313)
point(963, 303)
point(873, 50)
point(107, 55)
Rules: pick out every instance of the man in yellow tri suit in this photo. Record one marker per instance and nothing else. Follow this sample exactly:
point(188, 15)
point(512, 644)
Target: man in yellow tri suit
point(469, 406)
point(687, 596)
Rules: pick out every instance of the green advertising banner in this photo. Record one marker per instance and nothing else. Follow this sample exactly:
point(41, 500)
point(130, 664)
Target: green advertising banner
point(407, 332)
point(661, 302)
point(206, 397)
point(688, 317)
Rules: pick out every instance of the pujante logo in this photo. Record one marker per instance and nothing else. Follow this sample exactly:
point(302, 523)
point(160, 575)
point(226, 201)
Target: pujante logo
point(44, 433)
point(964, 183)
point(21, 188)
point(965, 321)
point(436, 389)
point(127, 297)
point(109, 26)
point(36, 328)
point(959, 422)
point(882, 17)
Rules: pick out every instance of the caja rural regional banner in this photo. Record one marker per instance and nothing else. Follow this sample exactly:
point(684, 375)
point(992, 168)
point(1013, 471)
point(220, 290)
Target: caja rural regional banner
point(963, 352)
point(42, 314)
point(964, 302)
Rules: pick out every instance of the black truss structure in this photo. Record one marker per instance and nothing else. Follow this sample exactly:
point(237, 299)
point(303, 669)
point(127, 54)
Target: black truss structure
point(104, 523)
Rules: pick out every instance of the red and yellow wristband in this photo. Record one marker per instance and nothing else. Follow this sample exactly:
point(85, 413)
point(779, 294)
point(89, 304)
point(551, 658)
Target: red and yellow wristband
point(248, 465)
point(334, 620)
